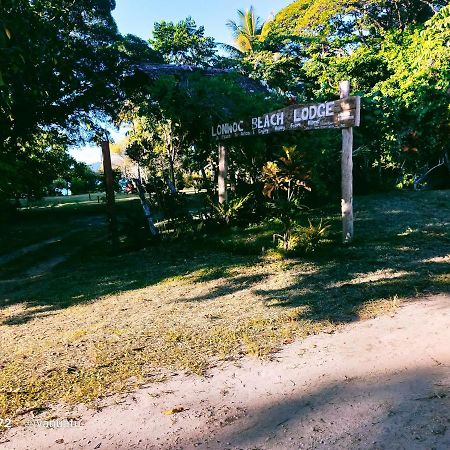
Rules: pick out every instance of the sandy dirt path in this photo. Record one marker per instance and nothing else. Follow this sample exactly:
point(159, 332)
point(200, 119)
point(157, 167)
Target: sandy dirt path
point(378, 384)
point(44, 265)
point(6, 258)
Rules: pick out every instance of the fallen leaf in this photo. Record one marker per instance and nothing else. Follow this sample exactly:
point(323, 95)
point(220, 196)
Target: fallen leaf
point(173, 411)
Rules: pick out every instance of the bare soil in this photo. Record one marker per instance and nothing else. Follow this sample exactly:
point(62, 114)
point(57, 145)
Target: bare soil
point(377, 384)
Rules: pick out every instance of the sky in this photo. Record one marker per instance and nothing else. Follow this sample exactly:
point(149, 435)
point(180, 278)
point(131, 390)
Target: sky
point(138, 17)
point(90, 154)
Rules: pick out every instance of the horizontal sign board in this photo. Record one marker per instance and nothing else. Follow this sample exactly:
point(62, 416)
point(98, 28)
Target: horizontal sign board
point(343, 113)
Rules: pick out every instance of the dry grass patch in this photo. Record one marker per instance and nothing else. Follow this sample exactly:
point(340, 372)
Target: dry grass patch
point(373, 309)
point(114, 344)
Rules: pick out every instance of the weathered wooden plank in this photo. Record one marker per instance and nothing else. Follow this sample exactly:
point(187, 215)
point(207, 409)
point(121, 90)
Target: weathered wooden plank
point(342, 113)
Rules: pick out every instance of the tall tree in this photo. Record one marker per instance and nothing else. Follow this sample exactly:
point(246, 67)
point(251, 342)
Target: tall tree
point(183, 43)
point(61, 69)
point(360, 18)
point(396, 54)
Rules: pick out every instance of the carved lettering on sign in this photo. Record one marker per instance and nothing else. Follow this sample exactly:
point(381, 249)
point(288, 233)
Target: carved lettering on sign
point(341, 113)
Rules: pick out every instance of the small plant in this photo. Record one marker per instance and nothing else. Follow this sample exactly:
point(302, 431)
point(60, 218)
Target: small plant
point(283, 182)
point(287, 241)
point(288, 215)
point(312, 235)
point(228, 212)
point(305, 239)
point(286, 175)
point(406, 182)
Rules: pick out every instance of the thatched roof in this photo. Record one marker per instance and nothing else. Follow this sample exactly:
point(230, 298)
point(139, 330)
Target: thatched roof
point(155, 71)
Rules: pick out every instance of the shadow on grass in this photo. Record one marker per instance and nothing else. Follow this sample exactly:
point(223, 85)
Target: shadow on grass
point(392, 256)
point(401, 250)
point(230, 286)
point(85, 278)
point(339, 297)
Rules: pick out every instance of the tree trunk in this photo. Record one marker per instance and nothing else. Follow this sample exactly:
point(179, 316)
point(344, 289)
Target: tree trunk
point(172, 172)
point(146, 207)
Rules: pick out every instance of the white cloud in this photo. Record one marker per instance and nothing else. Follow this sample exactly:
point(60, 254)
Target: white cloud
point(88, 154)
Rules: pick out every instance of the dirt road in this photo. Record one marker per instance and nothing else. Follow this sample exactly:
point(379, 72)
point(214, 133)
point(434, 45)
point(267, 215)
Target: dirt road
point(378, 384)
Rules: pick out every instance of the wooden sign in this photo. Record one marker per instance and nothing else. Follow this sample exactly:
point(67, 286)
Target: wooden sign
point(343, 113)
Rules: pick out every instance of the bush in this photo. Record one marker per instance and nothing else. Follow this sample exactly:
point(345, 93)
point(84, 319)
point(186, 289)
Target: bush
point(312, 236)
point(302, 239)
point(228, 212)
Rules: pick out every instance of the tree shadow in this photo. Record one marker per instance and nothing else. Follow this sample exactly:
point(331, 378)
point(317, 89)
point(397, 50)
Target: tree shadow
point(338, 297)
point(396, 411)
point(398, 252)
point(396, 243)
point(87, 277)
point(230, 286)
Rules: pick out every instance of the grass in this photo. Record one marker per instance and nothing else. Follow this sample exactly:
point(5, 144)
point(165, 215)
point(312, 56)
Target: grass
point(60, 201)
point(99, 324)
point(56, 216)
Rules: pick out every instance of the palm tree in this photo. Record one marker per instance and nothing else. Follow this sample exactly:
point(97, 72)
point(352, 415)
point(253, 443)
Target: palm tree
point(247, 30)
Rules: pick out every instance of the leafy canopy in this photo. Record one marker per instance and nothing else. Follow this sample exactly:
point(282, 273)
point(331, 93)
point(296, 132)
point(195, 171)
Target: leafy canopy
point(183, 43)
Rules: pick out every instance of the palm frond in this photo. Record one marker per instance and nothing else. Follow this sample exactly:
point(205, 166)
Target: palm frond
point(234, 52)
point(234, 28)
point(266, 26)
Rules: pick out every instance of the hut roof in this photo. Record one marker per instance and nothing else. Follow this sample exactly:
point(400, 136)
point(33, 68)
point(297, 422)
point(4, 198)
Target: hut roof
point(155, 71)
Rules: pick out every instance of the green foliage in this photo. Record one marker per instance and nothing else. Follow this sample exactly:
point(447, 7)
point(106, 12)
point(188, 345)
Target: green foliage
point(287, 214)
point(407, 182)
point(417, 90)
point(62, 64)
point(228, 212)
point(397, 58)
point(72, 50)
point(83, 179)
point(311, 236)
point(171, 209)
point(283, 181)
point(286, 175)
point(302, 239)
point(32, 168)
point(175, 130)
point(362, 19)
point(65, 71)
point(183, 43)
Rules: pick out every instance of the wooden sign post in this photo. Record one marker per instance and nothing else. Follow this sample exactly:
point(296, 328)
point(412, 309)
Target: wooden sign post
point(347, 174)
point(343, 113)
point(223, 174)
point(109, 189)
